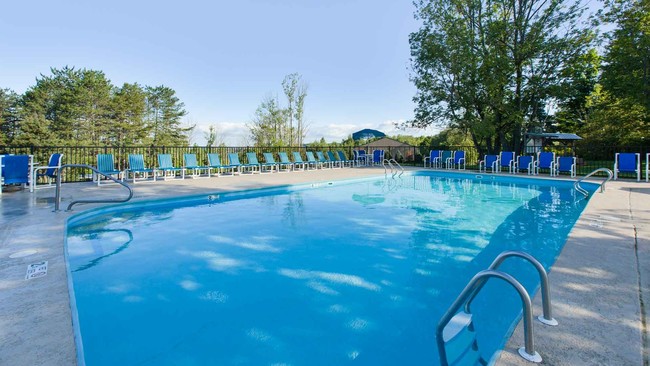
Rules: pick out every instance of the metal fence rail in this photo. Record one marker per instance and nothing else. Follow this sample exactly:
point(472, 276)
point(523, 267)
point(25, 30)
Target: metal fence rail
point(589, 157)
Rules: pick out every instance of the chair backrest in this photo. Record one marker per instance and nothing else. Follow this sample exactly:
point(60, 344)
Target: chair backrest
point(268, 157)
point(105, 163)
point(524, 161)
point(297, 158)
point(507, 158)
point(233, 158)
point(433, 154)
point(342, 156)
point(459, 156)
point(252, 158)
point(332, 157)
point(53, 164)
point(378, 156)
point(490, 159)
point(321, 156)
point(284, 158)
point(545, 159)
point(446, 154)
point(565, 163)
point(214, 160)
point(627, 162)
point(310, 157)
point(190, 160)
point(136, 162)
point(15, 169)
point(165, 161)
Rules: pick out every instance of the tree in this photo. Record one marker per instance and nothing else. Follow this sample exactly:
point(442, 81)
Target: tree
point(164, 113)
point(9, 116)
point(214, 136)
point(295, 91)
point(128, 111)
point(489, 67)
point(268, 123)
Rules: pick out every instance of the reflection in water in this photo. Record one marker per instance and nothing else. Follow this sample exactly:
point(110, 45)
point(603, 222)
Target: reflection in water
point(97, 260)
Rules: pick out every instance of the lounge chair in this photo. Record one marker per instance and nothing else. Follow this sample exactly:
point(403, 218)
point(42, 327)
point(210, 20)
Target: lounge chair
point(457, 161)
point(214, 162)
point(49, 174)
point(545, 160)
point(344, 159)
point(106, 165)
point(168, 169)
point(378, 157)
point(489, 162)
point(627, 163)
point(137, 167)
point(288, 164)
point(14, 169)
point(566, 164)
point(252, 165)
point(311, 160)
point(269, 163)
point(525, 163)
point(507, 160)
point(445, 158)
point(233, 160)
point(298, 162)
point(191, 164)
point(434, 156)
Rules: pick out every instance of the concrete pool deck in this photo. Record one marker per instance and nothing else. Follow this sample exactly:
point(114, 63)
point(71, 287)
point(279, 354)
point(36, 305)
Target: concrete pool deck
point(598, 284)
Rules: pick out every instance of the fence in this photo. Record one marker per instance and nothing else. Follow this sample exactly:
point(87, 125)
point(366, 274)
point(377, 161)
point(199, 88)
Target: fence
point(589, 157)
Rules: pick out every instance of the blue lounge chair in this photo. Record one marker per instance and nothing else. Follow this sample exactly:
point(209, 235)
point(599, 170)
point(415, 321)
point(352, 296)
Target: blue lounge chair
point(167, 168)
point(233, 160)
point(137, 167)
point(444, 159)
point(344, 159)
point(566, 164)
point(323, 160)
point(457, 161)
point(288, 164)
point(193, 165)
point(525, 163)
point(106, 165)
point(269, 163)
point(378, 157)
point(298, 162)
point(434, 156)
point(627, 163)
point(507, 161)
point(545, 160)
point(311, 160)
point(49, 174)
point(489, 162)
point(14, 169)
point(253, 164)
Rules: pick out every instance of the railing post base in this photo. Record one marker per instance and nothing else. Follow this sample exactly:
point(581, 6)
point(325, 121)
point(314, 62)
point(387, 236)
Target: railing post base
point(535, 357)
point(550, 322)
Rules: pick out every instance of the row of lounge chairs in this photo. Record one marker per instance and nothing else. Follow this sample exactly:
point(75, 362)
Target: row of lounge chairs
point(137, 170)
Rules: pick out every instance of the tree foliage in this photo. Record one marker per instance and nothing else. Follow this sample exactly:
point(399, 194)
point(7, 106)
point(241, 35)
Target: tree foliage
point(489, 67)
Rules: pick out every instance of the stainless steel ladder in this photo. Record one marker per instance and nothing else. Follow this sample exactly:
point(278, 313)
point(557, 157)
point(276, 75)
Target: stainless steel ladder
point(394, 166)
point(578, 188)
point(57, 198)
point(462, 333)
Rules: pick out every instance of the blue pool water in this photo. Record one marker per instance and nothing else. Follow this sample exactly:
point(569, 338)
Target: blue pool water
point(348, 273)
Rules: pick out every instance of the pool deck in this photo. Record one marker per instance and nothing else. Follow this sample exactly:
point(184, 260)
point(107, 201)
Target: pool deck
point(598, 284)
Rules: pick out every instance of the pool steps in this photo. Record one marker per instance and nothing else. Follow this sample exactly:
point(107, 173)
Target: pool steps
point(455, 334)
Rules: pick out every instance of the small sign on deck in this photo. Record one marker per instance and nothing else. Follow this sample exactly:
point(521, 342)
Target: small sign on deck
point(36, 270)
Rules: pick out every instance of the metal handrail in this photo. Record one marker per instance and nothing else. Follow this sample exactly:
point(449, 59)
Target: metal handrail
point(475, 285)
point(578, 188)
point(393, 170)
point(57, 198)
point(547, 315)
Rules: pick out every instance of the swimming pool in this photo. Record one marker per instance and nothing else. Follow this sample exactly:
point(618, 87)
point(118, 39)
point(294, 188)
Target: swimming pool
point(354, 272)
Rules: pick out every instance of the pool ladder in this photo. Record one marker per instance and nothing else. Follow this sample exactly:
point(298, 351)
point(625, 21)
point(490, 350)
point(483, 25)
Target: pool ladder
point(394, 167)
point(457, 341)
point(57, 197)
point(578, 188)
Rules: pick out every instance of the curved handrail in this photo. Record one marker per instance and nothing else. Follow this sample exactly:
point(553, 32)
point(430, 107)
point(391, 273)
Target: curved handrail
point(475, 285)
point(578, 188)
point(547, 315)
point(393, 170)
point(57, 198)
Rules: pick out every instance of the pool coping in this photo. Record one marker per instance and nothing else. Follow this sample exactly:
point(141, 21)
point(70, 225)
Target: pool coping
point(35, 317)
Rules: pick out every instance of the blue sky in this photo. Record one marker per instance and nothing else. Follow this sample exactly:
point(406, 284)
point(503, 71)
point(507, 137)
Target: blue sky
point(224, 57)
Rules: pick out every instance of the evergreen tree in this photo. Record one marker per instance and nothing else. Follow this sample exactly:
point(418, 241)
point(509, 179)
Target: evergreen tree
point(128, 110)
point(9, 116)
point(164, 113)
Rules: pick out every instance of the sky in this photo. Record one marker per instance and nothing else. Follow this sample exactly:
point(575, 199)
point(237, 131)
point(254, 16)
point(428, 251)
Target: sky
point(224, 57)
